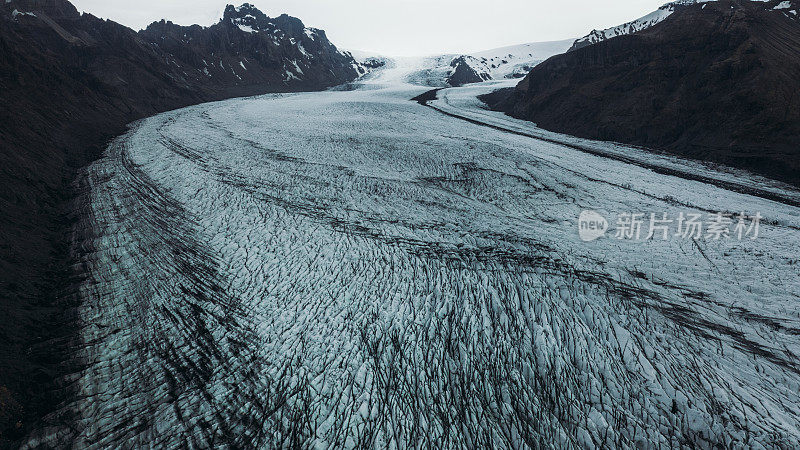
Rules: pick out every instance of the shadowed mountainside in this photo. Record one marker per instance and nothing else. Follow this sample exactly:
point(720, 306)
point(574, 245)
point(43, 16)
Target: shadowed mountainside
point(716, 82)
point(68, 83)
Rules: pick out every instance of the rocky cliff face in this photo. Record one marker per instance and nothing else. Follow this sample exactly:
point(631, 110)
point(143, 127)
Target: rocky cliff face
point(247, 48)
point(717, 81)
point(68, 82)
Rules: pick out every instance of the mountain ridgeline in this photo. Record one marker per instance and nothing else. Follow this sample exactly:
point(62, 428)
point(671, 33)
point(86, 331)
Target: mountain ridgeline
point(716, 81)
point(68, 83)
point(247, 50)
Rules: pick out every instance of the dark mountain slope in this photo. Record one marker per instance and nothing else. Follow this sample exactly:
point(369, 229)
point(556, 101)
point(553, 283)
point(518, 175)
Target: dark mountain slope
point(717, 81)
point(68, 83)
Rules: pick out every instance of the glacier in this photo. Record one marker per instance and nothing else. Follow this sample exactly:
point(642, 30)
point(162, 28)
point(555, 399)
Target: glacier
point(350, 268)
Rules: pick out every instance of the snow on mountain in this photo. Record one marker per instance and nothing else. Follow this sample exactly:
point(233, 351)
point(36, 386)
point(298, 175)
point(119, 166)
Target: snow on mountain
point(517, 60)
point(656, 17)
point(368, 60)
point(250, 19)
point(500, 63)
point(627, 28)
point(16, 13)
point(787, 7)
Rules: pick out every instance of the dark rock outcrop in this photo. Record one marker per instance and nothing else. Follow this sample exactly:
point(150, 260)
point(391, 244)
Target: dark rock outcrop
point(68, 83)
point(716, 82)
point(464, 73)
point(373, 63)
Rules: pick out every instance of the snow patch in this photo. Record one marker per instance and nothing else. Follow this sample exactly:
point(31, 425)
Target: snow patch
point(303, 50)
point(297, 68)
point(246, 28)
point(16, 13)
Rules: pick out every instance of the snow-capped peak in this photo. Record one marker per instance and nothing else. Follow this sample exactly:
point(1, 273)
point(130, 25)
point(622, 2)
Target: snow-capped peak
point(650, 20)
point(247, 17)
point(626, 28)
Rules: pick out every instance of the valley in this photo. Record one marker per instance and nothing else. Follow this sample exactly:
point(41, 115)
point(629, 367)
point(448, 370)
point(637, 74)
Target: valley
point(348, 268)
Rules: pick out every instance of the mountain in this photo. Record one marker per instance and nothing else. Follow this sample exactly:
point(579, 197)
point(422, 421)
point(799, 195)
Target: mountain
point(247, 48)
point(515, 61)
point(652, 19)
point(68, 83)
point(633, 26)
point(717, 81)
point(467, 69)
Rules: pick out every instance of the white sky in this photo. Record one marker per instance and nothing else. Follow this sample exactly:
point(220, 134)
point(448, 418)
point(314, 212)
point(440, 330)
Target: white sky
point(403, 27)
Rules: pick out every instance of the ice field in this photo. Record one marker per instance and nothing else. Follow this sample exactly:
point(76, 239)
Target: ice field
point(350, 268)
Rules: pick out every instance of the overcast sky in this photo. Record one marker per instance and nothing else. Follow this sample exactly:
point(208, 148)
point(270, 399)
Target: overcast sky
point(403, 27)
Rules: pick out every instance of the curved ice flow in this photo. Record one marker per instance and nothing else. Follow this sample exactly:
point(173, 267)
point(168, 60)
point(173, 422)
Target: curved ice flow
point(353, 269)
